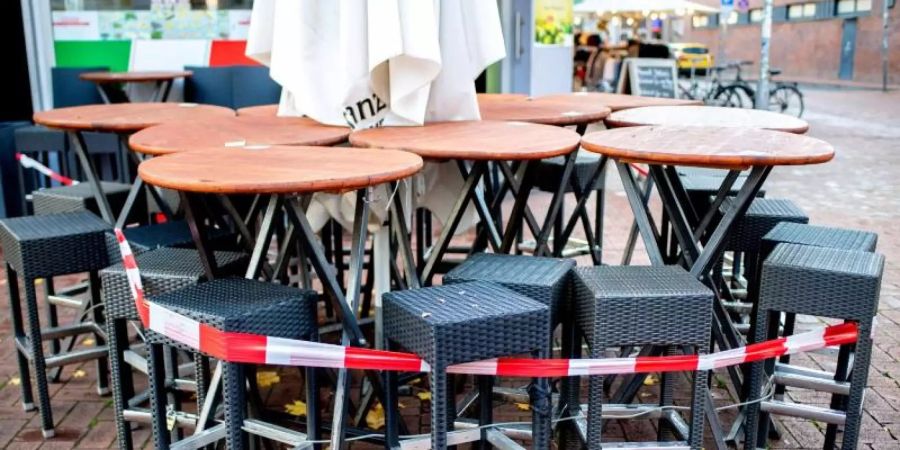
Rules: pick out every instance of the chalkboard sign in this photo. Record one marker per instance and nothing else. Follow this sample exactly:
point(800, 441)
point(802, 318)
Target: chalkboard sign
point(649, 77)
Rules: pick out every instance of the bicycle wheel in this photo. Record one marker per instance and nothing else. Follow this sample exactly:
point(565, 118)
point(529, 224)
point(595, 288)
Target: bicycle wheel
point(786, 99)
point(733, 96)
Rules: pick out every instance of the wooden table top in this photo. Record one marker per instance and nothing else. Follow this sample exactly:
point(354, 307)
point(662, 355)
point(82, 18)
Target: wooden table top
point(713, 116)
point(235, 132)
point(261, 110)
point(617, 102)
point(278, 169)
point(484, 140)
point(713, 147)
point(136, 76)
point(560, 112)
point(126, 117)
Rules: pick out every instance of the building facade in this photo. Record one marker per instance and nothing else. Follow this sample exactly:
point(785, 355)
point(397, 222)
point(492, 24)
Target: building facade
point(811, 39)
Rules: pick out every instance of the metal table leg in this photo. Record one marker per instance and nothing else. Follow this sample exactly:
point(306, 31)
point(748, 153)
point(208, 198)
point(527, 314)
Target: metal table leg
point(91, 173)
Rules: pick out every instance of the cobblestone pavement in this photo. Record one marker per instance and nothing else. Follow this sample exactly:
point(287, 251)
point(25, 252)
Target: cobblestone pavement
point(859, 189)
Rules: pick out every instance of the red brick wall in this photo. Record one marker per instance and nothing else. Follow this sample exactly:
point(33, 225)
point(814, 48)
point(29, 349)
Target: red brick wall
point(811, 49)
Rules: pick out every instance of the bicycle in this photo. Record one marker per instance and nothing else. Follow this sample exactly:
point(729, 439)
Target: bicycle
point(733, 94)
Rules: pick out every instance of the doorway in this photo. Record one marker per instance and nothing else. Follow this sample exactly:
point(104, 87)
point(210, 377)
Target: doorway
point(848, 49)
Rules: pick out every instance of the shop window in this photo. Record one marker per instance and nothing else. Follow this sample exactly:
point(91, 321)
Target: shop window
point(732, 18)
point(700, 21)
point(845, 7)
point(122, 5)
point(756, 15)
point(800, 11)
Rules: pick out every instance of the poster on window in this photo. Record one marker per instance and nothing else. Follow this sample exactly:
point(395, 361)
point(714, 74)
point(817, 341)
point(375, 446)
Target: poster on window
point(553, 22)
point(76, 25)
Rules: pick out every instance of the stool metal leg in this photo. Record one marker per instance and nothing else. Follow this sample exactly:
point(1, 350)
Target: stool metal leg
point(157, 373)
point(234, 389)
point(37, 357)
point(122, 381)
point(99, 340)
point(15, 305)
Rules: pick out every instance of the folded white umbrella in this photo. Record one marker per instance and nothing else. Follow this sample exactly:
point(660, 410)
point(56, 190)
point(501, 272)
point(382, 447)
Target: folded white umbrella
point(364, 63)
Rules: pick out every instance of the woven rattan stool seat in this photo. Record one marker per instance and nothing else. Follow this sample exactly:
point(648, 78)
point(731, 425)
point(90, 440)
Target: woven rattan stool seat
point(821, 281)
point(55, 244)
point(467, 322)
point(641, 305)
point(80, 197)
point(162, 270)
point(543, 279)
point(819, 236)
point(762, 215)
point(245, 306)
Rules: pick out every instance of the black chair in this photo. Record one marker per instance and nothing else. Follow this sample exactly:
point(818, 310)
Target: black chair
point(231, 86)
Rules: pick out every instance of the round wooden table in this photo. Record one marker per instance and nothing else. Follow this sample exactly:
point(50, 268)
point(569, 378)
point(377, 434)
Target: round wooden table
point(262, 110)
point(618, 102)
point(558, 112)
point(472, 145)
point(242, 131)
point(713, 116)
point(123, 119)
point(501, 97)
point(734, 149)
point(109, 84)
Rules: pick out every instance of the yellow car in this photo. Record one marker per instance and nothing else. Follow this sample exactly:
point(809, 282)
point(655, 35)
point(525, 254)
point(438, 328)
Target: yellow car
point(691, 55)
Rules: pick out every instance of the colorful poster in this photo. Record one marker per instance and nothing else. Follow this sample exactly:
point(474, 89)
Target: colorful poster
point(76, 25)
point(553, 22)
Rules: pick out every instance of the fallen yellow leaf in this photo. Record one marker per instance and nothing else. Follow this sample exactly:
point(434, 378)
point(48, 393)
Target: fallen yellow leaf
point(651, 380)
point(15, 381)
point(79, 374)
point(266, 378)
point(424, 396)
point(375, 417)
point(89, 341)
point(297, 408)
point(523, 406)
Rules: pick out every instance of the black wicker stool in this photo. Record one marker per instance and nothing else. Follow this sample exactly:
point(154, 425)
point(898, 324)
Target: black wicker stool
point(821, 282)
point(546, 176)
point(543, 279)
point(162, 270)
point(80, 197)
point(44, 247)
point(642, 306)
point(466, 322)
point(242, 306)
point(169, 234)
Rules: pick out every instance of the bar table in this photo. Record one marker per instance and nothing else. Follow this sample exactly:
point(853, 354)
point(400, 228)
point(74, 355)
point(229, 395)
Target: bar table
point(111, 84)
point(122, 119)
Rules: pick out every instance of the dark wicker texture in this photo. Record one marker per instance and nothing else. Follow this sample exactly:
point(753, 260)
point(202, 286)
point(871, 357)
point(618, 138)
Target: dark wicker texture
point(632, 305)
point(761, 217)
point(703, 186)
point(543, 279)
point(234, 305)
point(548, 172)
point(825, 282)
point(162, 270)
point(819, 236)
point(56, 244)
point(80, 197)
point(169, 234)
point(467, 322)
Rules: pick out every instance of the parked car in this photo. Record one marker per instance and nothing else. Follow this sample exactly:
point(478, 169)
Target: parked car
point(691, 55)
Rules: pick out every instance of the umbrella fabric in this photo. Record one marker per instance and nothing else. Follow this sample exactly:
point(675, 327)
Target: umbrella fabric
point(365, 63)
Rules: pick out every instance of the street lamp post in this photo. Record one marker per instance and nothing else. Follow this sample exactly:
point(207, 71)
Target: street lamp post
point(762, 88)
point(885, 34)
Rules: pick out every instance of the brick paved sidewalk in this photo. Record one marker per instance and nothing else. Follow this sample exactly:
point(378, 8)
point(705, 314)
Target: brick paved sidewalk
point(860, 189)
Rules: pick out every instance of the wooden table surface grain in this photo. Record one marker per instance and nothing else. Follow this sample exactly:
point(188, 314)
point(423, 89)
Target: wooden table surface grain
point(484, 140)
point(713, 116)
point(617, 102)
point(235, 132)
point(126, 117)
point(713, 147)
point(277, 169)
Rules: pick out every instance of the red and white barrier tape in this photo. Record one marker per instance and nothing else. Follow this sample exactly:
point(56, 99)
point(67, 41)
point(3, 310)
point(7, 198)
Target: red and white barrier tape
point(30, 163)
point(259, 349)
